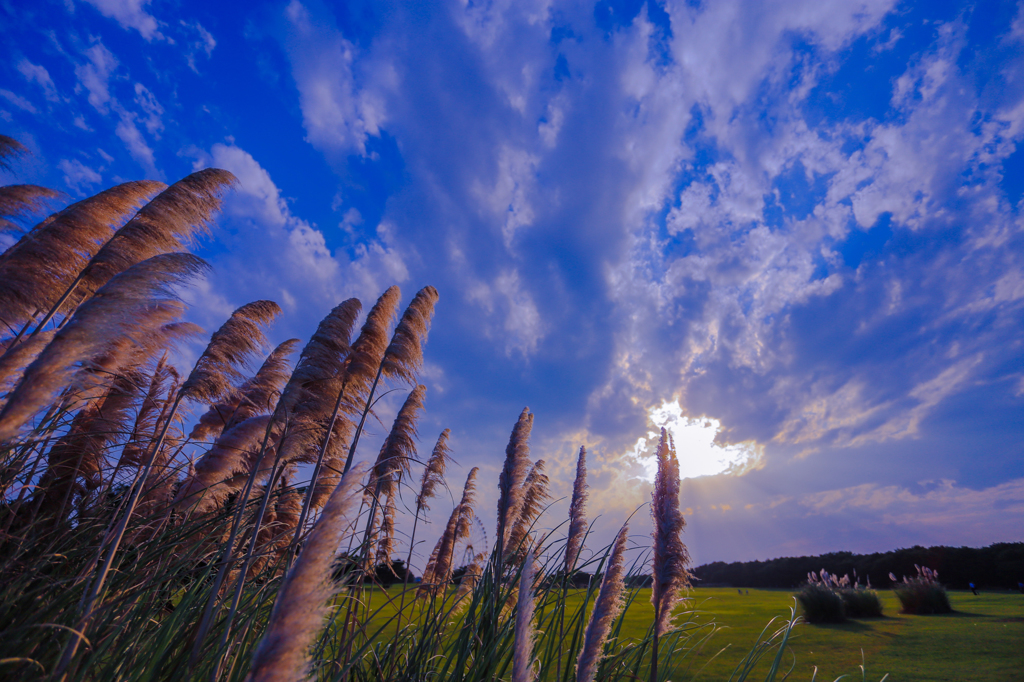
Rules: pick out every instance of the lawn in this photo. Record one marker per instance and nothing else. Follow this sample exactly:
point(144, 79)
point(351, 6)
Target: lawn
point(983, 640)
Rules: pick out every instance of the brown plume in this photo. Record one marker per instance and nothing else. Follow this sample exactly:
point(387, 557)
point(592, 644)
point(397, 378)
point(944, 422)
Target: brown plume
point(334, 458)
point(230, 349)
point(10, 149)
point(115, 311)
point(433, 473)
point(256, 396)
point(399, 448)
point(170, 222)
point(316, 379)
point(535, 494)
point(368, 348)
point(438, 572)
point(145, 427)
point(522, 651)
point(513, 474)
point(404, 355)
point(386, 537)
point(76, 460)
point(309, 397)
point(670, 576)
point(21, 202)
point(303, 599)
point(17, 357)
point(43, 263)
point(606, 609)
point(577, 513)
point(232, 453)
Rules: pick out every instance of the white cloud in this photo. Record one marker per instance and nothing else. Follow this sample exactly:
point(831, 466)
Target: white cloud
point(34, 73)
point(18, 101)
point(276, 254)
point(130, 14)
point(77, 175)
point(94, 75)
point(145, 99)
point(136, 144)
point(337, 113)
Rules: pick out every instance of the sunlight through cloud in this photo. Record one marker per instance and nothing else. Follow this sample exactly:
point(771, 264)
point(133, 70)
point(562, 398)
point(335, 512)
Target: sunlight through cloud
point(699, 454)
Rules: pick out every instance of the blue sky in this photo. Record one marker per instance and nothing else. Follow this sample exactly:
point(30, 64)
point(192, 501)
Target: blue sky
point(794, 226)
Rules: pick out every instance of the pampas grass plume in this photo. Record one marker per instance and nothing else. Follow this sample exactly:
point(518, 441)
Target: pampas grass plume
point(606, 609)
point(302, 602)
point(522, 652)
point(577, 513)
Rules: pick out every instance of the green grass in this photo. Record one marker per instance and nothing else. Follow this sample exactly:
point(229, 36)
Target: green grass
point(980, 641)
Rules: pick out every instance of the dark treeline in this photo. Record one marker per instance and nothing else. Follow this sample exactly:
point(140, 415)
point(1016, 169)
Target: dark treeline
point(997, 566)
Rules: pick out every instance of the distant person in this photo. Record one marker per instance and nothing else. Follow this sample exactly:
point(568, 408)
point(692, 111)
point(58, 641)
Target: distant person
point(739, 591)
point(973, 588)
point(747, 591)
point(1020, 586)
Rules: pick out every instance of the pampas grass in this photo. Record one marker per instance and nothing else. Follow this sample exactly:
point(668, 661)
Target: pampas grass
point(606, 609)
point(302, 601)
point(577, 513)
point(522, 653)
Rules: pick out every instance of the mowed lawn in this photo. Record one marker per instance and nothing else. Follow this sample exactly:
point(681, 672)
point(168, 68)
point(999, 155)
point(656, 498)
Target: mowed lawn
point(982, 641)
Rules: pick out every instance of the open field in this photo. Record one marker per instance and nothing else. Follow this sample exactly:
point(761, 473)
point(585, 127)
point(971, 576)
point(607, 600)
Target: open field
point(983, 640)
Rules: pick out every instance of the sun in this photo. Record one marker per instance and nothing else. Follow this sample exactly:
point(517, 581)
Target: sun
point(699, 454)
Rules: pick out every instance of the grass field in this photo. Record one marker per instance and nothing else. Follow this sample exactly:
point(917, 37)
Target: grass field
point(982, 641)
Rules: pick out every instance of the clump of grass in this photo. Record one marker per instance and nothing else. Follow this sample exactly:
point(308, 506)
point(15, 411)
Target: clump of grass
point(922, 594)
point(821, 604)
point(827, 598)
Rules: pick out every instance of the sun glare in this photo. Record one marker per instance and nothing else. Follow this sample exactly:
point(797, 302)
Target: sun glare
point(699, 454)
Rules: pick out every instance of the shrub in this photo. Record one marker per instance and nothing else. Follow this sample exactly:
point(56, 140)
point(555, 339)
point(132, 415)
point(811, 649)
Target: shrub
point(922, 594)
point(821, 604)
point(830, 599)
point(861, 602)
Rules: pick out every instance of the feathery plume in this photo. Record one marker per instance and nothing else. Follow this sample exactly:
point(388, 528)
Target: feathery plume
point(302, 601)
point(18, 356)
point(438, 572)
point(139, 293)
point(76, 460)
point(368, 348)
point(535, 494)
point(170, 222)
point(404, 355)
point(149, 412)
point(232, 453)
point(256, 396)
point(470, 578)
point(315, 382)
point(37, 269)
point(230, 349)
point(577, 513)
point(671, 558)
point(606, 609)
point(10, 149)
point(513, 474)
point(433, 473)
point(399, 448)
point(386, 538)
point(22, 201)
point(522, 652)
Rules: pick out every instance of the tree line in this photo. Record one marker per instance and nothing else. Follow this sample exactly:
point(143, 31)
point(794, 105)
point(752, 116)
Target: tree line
point(998, 566)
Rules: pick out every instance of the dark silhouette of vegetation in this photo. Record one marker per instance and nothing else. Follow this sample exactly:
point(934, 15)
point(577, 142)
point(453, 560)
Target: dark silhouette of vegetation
point(998, 566)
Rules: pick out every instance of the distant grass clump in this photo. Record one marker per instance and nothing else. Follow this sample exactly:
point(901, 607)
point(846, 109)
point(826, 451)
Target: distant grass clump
point(132, 548)
point(922, 594)
point(830, 599)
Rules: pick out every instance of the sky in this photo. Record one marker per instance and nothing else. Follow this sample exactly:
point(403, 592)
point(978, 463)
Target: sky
point(791, 232)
